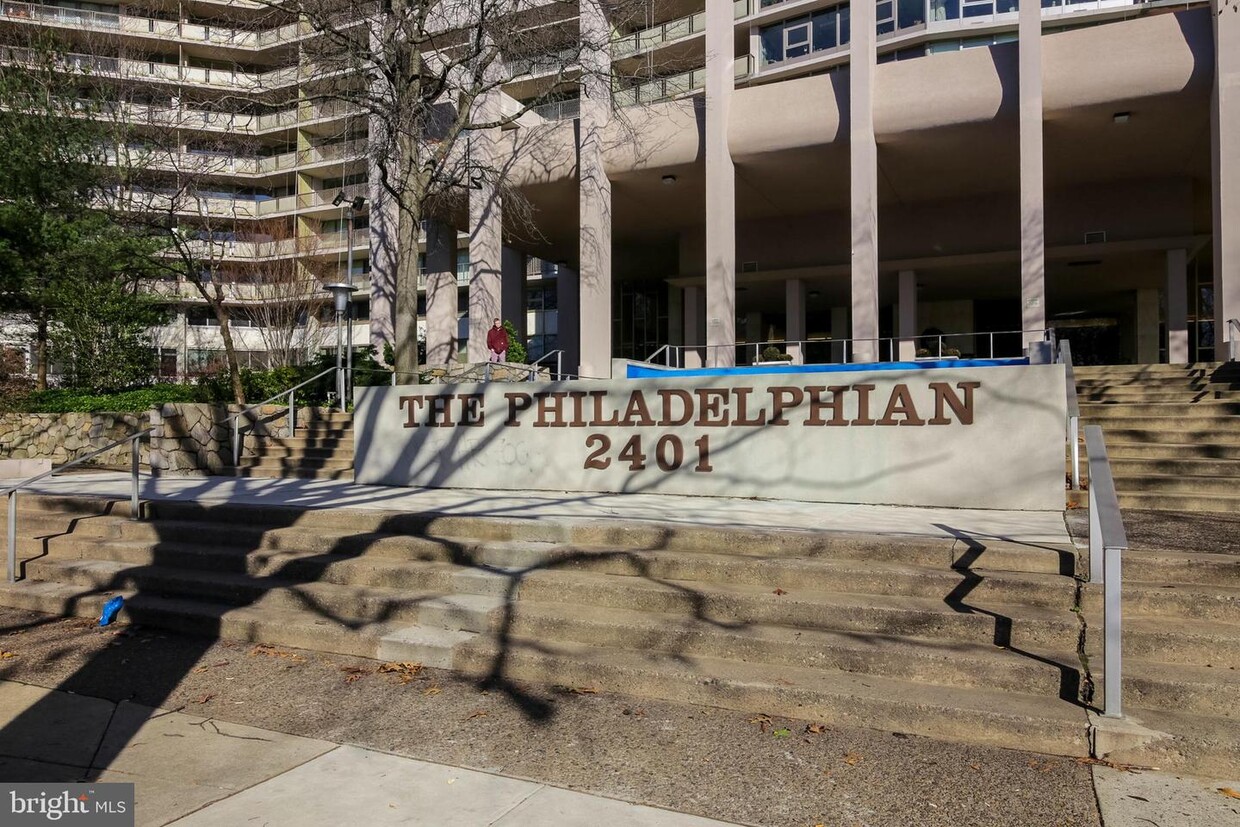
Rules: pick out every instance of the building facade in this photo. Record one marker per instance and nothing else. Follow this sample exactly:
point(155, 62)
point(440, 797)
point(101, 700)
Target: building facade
point(898, 178)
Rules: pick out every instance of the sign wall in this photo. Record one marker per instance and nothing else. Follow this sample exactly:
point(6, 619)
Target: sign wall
point(973, 438)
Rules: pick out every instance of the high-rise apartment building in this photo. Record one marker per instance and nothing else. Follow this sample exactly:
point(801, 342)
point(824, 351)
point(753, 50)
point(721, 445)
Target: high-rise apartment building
point(847, 182)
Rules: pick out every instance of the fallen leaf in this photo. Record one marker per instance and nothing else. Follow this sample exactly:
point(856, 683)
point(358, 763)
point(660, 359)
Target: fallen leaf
point(477, 713)
point(7, 655)
point(1115, 765)
point(815, 729)
point(1229, 792)
point(763, 722)
point(433, 689)
point(584, 690)
point(272, 652)
point(402, 667)
point(352, 678)
point(205, 698)
point(975, 767)
point(200, 669)
point(852, 759)
point(779, 592)
point(782, 732)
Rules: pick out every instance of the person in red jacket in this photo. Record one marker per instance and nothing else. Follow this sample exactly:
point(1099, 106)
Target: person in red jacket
point(497, 342)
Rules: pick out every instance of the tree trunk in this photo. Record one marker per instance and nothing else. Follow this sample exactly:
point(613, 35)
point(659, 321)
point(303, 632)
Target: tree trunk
point(408, 234)
point(230, 355)
point(40, 382)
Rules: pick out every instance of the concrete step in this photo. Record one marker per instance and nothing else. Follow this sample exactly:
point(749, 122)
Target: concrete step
point(1196, 503)
point(1000, 718)
point(1179, 484)
point(1220, 468)
point(1173, 640)
point(1141, 396)
point(304, 441)
point(1209, 690)
point(1160, 567)
point(930, 661)
point(1118, 451)
point(298, 463)
point(280, 450)
point(351, 531)
point(295, 473)
point(1181, 410)
point(1145, 432)
point(1204, 745)
point(993, 717)
point(416, 563)
point(1205, 602)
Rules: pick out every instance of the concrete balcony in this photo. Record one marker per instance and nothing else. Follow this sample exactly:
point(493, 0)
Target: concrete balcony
point(318, 199)
point(153, 27)
point(332, 243)
point(660, 89)
point(647, 40)
point(565, 110)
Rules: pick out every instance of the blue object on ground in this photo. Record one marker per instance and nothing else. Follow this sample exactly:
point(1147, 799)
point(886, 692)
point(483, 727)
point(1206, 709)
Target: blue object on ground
point(111, 609)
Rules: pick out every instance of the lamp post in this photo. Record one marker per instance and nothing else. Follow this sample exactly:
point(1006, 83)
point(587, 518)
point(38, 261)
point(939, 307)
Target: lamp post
point(354, 207)
point(342, 297)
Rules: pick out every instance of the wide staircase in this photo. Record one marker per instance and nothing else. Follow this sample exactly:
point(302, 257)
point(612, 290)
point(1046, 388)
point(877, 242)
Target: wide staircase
point(1172, 432)
point(966, 638)
point(321, 448)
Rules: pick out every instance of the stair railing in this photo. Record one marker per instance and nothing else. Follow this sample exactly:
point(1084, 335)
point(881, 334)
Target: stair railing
point(291, 394)
point(1233, 331)
point(134, 511)
point(1073, 434)
point(1107, 542)
point(559, 364)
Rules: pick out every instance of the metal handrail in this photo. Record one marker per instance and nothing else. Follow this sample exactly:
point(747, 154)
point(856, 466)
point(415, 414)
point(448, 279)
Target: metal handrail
point(1073, 433)
point(11, 491)
point(1233, 327)
point(559, 364)
point(292, 412)
point(1107, 541)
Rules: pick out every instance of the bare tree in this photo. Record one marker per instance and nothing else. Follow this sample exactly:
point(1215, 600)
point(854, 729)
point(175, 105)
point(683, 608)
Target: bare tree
point(429, 75)
point(285, 292)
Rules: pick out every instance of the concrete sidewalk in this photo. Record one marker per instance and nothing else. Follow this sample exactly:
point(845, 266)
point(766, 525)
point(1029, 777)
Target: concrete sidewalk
point(1032, 527)
point(202, 772)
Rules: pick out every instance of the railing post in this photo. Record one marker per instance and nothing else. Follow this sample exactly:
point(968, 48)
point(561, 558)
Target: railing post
point(1112, 646)
point(1074, 445)
point(393, 377)
point(559, 365)
point(1095, 538)
point(236, 441)
point(340, 379)
point(135, 449)
point(486, 372)
point(12, 531)
point(292, 414)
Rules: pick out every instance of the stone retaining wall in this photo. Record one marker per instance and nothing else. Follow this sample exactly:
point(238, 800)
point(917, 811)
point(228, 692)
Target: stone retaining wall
point(189, 438)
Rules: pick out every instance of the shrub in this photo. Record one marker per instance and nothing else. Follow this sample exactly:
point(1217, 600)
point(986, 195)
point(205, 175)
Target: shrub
point(79, 400)
point(516, 348)
point(774, 354)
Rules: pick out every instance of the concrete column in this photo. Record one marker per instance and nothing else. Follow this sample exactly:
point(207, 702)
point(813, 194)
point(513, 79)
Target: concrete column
point(441, 293)
point(1177, 307)
point(720, 189)
point(512, 267)
point(485, 251)
point(839, 334)
point(794, 313)
point(384, 257)
point(568, 317)
point(906, 313)
point(1032, 194)
point(863, 153)
point(695, 326)
point(1225, 140)
point(1147, 326)
point(594, 193)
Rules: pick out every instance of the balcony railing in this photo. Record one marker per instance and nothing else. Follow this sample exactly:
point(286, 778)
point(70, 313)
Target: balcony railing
point(138, 25)
point(324, 198)
point(661, 88)
point(541, 64)
point(338, 241)
point(647, 39)
point(564, 110)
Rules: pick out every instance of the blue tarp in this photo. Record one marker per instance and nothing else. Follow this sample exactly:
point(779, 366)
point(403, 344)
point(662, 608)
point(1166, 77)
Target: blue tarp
point(641, 372)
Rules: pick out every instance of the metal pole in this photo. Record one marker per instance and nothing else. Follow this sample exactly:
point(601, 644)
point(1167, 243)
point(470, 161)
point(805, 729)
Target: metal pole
point(349, 281)
point(12, 557)
point(236, 440)
point(1095, 537)
point(1112, 647)
point(340, 358)
point(559, 365)
point(292, 414)
point(1074, 444)
point(135, 448)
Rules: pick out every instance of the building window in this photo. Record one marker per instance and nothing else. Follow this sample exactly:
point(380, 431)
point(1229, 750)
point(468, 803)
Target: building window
point(822, 31)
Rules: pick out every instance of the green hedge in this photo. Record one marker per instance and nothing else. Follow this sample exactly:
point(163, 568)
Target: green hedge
point(74, 400)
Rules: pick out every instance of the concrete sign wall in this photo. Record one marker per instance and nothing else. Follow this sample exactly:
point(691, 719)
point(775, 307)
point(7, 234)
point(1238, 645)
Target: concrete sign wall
point(971, 438)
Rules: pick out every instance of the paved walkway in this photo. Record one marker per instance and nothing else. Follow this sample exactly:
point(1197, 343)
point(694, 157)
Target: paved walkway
point(1040, 527)
point(200, 772)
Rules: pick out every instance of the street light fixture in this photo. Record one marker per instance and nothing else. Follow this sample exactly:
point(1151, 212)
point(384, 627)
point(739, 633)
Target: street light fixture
point(342, 298)
point(354, 206)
